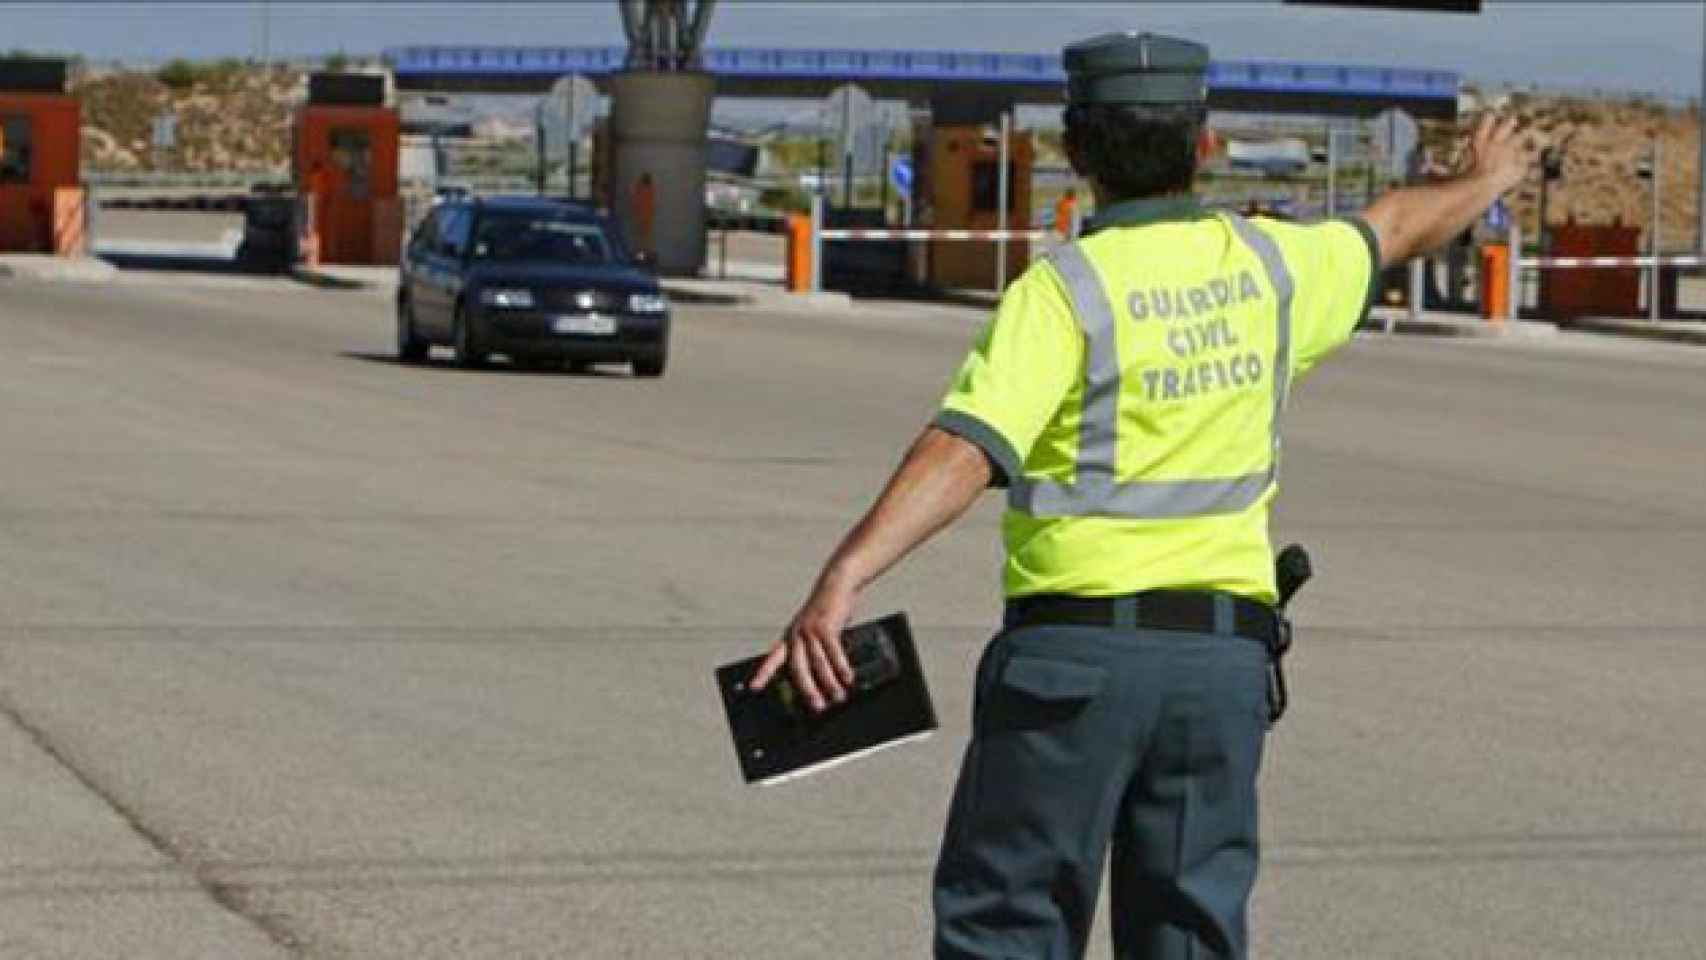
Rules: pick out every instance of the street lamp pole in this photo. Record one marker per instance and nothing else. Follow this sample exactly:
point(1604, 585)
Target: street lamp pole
point(1653, 246)
point(1545, 194)
point(1332, 169)
point(1700, 222)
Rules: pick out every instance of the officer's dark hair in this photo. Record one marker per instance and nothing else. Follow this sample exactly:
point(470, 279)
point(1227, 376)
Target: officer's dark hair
point(1135, 151)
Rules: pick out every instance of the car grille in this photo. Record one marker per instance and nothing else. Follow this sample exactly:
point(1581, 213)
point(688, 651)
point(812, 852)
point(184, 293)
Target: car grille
point(599, 300)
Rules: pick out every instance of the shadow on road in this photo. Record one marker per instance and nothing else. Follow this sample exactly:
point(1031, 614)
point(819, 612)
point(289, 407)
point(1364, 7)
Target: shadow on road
point(508, 368)
point(183, 263)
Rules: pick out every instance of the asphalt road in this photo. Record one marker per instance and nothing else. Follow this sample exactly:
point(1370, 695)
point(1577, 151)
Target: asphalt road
point(304, 651)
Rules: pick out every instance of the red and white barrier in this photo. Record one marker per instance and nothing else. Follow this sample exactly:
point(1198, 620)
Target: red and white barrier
point(1578, 263)
point(1650, 263)
point(982, 235)
point(820, 235)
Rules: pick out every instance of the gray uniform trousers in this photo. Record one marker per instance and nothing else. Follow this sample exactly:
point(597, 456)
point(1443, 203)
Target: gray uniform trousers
point(1085, 737)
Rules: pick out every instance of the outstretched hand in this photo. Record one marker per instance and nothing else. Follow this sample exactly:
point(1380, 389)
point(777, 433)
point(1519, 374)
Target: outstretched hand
point(1496, 154)
point(811, 649)
point(1412, 221)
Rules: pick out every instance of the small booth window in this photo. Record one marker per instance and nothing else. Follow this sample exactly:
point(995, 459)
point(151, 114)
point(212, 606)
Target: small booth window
point(986, 186)
point(352, 152)
point(14, 149)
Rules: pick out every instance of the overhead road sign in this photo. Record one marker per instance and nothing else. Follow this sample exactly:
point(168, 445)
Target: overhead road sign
point(571, 108)
point(853, 117)
point(164, 131)
point(1396, 136)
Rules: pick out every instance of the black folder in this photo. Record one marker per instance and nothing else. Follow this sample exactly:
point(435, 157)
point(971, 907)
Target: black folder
point(777, 738)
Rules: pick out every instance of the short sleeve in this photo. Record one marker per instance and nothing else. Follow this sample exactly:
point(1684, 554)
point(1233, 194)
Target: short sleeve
point(1017, 374)
point(1336, 269)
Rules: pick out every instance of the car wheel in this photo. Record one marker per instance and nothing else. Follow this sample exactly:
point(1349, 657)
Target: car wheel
point(469, 354)
point(651, 363)
point(411, 348)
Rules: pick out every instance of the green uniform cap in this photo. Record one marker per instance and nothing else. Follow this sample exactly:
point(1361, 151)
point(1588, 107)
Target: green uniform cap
point(1136, 68)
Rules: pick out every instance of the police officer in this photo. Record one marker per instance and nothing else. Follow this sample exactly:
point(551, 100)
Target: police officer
point(1128, 394)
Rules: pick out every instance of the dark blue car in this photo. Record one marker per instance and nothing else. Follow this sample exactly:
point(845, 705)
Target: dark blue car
point(541, 281)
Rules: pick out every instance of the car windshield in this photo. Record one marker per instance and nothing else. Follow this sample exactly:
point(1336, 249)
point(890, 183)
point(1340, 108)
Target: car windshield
point(516, 236)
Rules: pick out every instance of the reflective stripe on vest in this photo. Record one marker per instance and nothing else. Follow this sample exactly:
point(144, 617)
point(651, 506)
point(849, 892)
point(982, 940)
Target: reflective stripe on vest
point(1095, 491)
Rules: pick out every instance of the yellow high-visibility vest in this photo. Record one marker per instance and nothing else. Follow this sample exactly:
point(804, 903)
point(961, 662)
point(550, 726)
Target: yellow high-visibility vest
point(1131, 388)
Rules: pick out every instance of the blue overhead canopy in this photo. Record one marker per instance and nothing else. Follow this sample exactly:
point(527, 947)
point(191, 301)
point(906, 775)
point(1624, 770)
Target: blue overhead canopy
point(917, 74)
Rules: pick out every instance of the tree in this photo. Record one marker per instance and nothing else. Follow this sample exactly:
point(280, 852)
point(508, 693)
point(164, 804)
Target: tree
point(179, 75)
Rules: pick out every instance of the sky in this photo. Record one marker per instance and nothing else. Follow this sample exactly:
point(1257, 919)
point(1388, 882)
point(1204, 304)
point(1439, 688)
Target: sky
point(1612, 45)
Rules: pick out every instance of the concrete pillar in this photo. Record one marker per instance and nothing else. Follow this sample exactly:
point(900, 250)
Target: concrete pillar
point(658, 123)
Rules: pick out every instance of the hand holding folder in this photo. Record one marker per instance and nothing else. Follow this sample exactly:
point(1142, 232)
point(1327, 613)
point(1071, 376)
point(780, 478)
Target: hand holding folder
point(777, 737)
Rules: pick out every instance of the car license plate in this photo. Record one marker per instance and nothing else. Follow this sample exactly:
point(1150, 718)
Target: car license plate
point(592, 324)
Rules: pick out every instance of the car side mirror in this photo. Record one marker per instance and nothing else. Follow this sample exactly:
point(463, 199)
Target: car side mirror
point(646, 260)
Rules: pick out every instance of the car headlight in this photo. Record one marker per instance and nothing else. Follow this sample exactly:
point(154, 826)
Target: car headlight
point(648, 303)
point(507, 298)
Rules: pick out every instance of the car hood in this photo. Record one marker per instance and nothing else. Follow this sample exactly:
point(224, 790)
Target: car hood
point(620, 279)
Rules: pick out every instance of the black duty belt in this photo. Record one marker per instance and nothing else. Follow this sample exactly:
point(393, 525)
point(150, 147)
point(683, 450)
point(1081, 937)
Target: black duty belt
point(1188, 611)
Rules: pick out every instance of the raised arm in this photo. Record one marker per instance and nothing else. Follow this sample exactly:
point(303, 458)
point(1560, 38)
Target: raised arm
point(1412, 221)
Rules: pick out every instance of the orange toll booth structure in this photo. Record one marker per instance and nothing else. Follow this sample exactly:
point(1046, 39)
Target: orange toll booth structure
point(346, 145)
point(960, 187)
point(41, 199)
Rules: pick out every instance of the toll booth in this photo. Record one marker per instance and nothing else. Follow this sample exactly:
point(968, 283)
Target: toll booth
point(42, 207)
point(960, 189)
point(345, 168)
point(1615, 292)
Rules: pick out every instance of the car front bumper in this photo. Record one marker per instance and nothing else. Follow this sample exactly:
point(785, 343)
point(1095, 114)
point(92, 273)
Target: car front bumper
point(533, 332)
